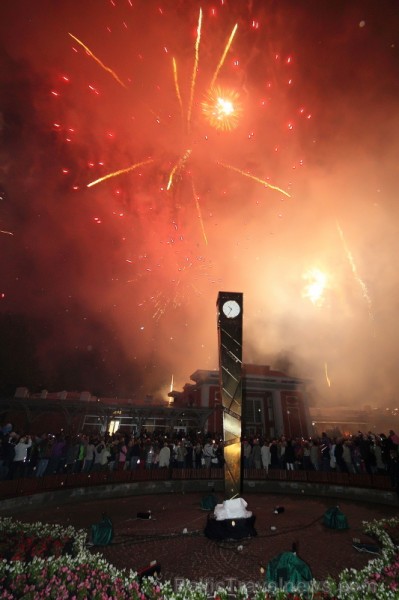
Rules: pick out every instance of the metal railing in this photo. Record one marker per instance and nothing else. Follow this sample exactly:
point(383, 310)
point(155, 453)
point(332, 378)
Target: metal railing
point(48, 483)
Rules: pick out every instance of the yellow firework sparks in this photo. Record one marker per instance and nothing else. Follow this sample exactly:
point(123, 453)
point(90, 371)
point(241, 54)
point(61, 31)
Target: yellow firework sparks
point(254, 178)
point(223, 58)
point(120, 172)
point(326, 374)
point(177, 88)
point(356, 275)
point(179, 165)
point(222, 108)
point(196, 198)
point(98, 61)
point(315, 286)
point(195, 68)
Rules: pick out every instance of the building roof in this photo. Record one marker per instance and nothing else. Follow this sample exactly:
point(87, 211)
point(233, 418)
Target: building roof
point(249, 370)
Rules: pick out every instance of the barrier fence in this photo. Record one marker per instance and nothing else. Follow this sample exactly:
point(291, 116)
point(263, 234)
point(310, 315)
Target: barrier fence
point(33, 485)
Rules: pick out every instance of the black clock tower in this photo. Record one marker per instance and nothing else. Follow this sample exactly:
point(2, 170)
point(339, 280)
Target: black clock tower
point(229, 319)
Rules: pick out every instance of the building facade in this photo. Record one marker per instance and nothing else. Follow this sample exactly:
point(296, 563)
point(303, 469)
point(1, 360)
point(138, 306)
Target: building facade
point(274, 404)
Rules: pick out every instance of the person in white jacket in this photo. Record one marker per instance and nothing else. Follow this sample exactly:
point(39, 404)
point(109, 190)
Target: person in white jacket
point(266, 456)
point(164, 456)
point(19, 463)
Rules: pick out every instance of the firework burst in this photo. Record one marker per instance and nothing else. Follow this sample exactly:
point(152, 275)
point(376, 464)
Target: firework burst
point(222, 108)
point(189, 136)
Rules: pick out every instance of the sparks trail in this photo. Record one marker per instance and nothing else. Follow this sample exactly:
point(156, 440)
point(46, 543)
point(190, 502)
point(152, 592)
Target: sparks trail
point(223, 58)
point(254, 178)
point(326, 374)
point(120, 172)
point(98, 61)
point(178, 166)
point(197, 204)
point(356, 275)
point(177, 87)
point(195, 70)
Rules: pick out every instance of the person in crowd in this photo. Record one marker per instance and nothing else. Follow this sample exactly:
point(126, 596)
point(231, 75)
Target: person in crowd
point(99, 446)
point(33, 456)
point(339, 456)
point(122, 453)
point(150, 457)
point(181, 453)
point(347, 456)
point(356, 457)
point(10, 442)
point(274, 455)
point(306, 461)
point(88, 456)
point(368, 459)
point(44, 446)
point(70, 454)
point(105, 456)
point(376, 448)
point(325, 446)
point(57, 455)
point(394, 470)
point(80, 454)
point(219, 453)
point(188, 462)
point(256, 455)
point(19, 464)
point(156, 455)
point(113, 455)
point(385, 450)
point(209, 453)
point(394, 439)
point(299, 448)
point(133, 454)
point(333, 461)
point(3, 462)
point(164, 456)
point(266, 455)
point(247, 454)
point(315, 457)
point(289, 455)
point(197, 455)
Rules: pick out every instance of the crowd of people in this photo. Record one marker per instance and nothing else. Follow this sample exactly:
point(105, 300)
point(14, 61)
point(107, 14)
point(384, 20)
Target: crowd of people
point(23, 455)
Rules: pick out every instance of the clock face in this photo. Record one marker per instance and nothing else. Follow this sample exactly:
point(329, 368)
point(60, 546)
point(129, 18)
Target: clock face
point(231, 309)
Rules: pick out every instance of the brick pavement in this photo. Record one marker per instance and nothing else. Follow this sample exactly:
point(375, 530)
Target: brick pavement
point(192, 555)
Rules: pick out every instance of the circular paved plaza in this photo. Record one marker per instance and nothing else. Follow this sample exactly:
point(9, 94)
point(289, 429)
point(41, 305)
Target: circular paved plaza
point(174, 535)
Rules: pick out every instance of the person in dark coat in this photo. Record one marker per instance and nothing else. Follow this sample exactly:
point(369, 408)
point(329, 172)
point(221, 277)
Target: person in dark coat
point(289, 456)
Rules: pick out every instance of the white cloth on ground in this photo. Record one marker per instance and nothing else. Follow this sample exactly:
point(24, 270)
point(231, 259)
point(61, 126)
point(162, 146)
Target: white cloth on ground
point(232, 509)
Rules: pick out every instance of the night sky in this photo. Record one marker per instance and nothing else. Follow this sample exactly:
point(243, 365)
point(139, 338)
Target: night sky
point(291, 199)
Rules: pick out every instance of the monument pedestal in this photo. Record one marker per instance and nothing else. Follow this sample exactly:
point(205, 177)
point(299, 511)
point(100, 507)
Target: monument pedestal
point(230, 529)
point(230, 521)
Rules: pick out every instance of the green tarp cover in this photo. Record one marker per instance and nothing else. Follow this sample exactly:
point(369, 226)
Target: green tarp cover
point(209, 502)
point(288, 568)
point(334, 518)
point(102, 533)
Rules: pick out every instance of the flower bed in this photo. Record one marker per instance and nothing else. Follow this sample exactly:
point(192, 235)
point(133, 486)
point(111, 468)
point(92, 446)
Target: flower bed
point(24, 547)
point(65, 569)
